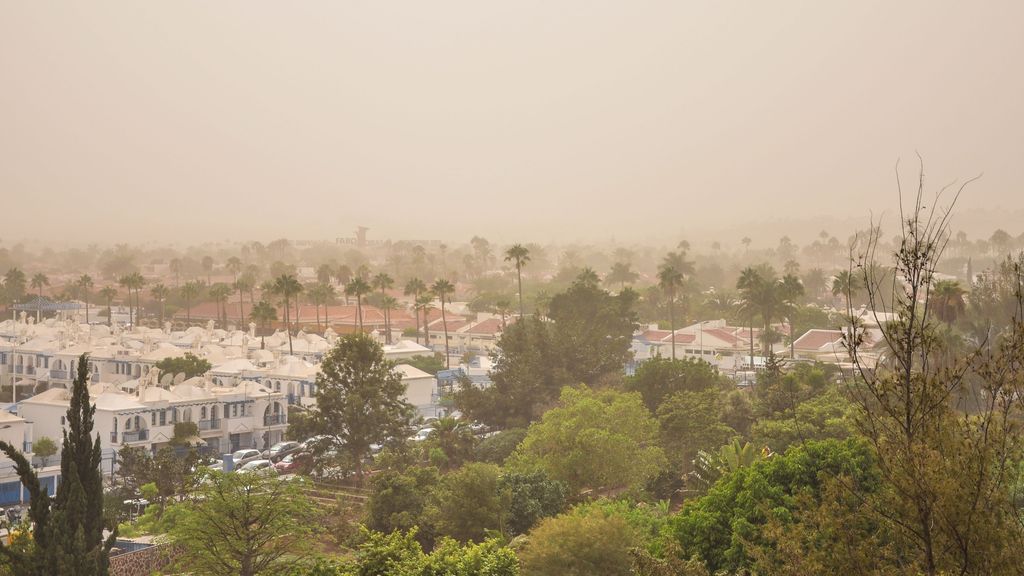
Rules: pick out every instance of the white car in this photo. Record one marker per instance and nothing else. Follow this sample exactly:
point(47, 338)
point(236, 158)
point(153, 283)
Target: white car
point(246, 455)
point(258, 466)
point(422, 435)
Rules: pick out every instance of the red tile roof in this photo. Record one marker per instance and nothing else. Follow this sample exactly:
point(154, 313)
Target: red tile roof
point(817, 339)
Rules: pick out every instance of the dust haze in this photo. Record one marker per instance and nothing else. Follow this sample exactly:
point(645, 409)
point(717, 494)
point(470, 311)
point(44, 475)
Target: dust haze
point(197, 121)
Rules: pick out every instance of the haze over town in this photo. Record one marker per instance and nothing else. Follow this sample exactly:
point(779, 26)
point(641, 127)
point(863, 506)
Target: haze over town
point(574, 121)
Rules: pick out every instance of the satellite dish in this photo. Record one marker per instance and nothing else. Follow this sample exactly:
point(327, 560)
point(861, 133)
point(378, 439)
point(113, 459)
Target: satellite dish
point(179, 378)
point(166, 379)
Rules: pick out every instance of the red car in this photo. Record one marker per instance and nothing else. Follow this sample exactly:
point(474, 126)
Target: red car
point(294, 463)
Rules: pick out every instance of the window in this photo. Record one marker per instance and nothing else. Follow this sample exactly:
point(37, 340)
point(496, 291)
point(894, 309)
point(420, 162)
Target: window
point(202, 413)
point(163, 417)
point(152, 419)
point(234, 410)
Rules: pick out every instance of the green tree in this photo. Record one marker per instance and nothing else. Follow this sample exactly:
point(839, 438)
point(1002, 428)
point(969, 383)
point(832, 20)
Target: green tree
point(44, 448)
point(477, 483)
point(529, 497)
point(220, 292)
point(657, 378)
point(580, 545)
point(359, 398)
point(947, 299)
point(244, 524)
point(399, 500)
point(670, 280)
point(621, 274)
point(68, 529)
point(383, 282)
point(14, 284)
point(188, 364)
point(519, 256)
point(691, 421)
point(263, 314)
point(594, 440)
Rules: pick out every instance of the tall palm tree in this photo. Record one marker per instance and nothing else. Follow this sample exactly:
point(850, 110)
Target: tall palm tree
point(108, 293)
point(414, 287)
point(792, 290)
point(358, 287)
point(519, 256)
point(748, 284)
point(387, 304)
point(234, 266)
point(159, 292)
point(442, 289)
point(243, 284)
point(38, 281)
point(324, 273)
point(383, 282)
point(263, 313)
point(329, 295)
point(502, 306)
point(176, 267)
point(847, 284)
point(287, 286)
point(190, 290)
point(85, 283)
point(317, 296)
point(208, 268)
point(220, 292)
point(126, 282)
point(670, 280)
point(135, 282)
point(423, 302)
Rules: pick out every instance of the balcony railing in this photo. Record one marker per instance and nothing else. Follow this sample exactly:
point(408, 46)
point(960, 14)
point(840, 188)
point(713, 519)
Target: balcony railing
point(211, 424)
point(135, 436)
point(274, 419)
point(58, 374)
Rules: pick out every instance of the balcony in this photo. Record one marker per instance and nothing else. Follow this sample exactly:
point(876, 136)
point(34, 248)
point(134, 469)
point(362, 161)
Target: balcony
point(58, 374)
point(212, 424)
point(135, 436)
point(274, 420)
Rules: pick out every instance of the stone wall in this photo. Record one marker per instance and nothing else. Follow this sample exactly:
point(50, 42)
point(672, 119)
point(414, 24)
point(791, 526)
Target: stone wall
point(141, 562)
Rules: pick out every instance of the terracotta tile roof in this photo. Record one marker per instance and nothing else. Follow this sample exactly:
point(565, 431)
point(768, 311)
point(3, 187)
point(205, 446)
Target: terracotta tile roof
point(488, 327)
point(817, 339)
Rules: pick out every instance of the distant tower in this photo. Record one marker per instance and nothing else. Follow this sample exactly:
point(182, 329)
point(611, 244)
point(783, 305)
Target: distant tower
point(361, 236)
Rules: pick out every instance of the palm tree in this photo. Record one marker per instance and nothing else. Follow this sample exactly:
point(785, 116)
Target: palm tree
point(748, 284)
point(38, 281)
point(243, 284)
point(85, 283)
point(176, 267)
point(208, 268)
point(847, 284)
point(358, 287)
point(190, 290)
point(108, 293)
point(318, 294)
point(670, 280)
point(136, 282)
point(329, 294)
point(502, 306)
point(442, 289)
point(622, 274)
point(383, 281)
point(263, 313)
point(746, 243)
point(220, 292)
point(126, 282)
point(234, 266)
point(414, 287)
point(423, 302)
point(160, 294)
point(324, 273)
point(519, 255)
point(387, 304)
point(287, 286)
point(947, 298)
point(588, 276)
point(791, 291)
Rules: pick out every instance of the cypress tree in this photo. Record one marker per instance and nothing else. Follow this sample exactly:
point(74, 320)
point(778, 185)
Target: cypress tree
point(68, 535)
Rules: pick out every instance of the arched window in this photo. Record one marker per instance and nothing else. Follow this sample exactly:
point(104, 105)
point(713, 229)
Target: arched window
point(202, 413)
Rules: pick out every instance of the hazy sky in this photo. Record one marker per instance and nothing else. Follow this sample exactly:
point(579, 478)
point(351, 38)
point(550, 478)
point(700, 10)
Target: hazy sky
point(537, 120)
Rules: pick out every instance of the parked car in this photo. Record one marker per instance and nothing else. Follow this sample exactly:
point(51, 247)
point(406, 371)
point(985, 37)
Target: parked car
point(280, 450)
point(258, 466)
point(294, 463)
point(422, 434)
point(245, 456)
